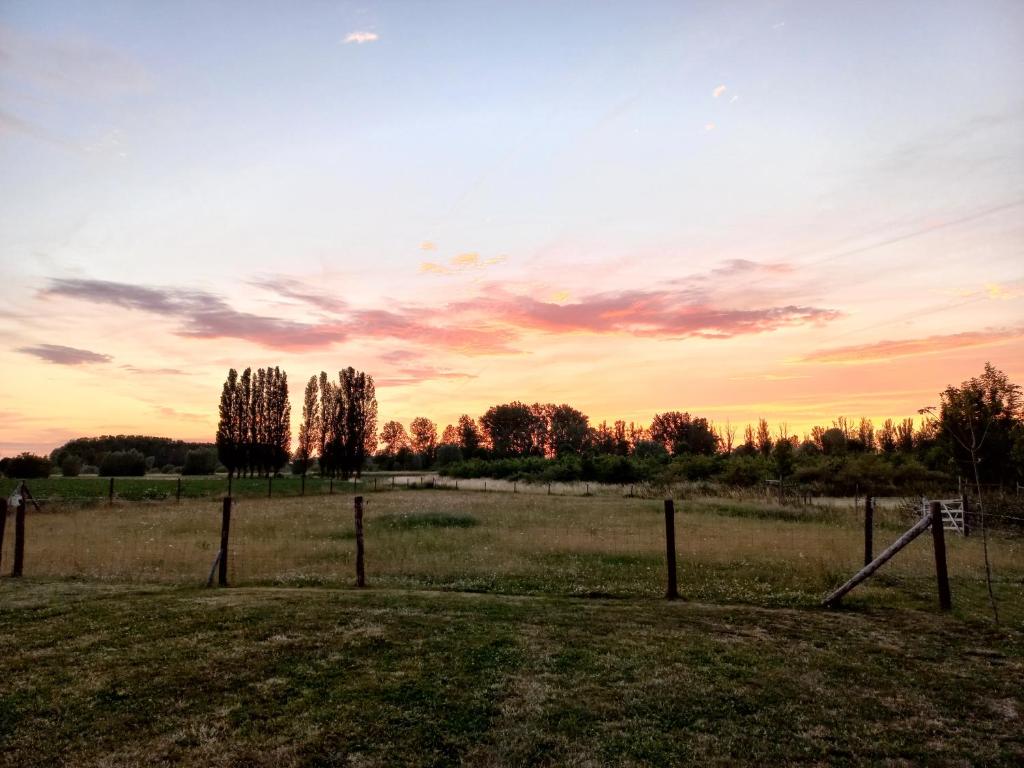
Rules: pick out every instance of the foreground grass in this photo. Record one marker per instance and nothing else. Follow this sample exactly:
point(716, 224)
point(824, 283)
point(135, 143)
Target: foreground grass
point(98, 675)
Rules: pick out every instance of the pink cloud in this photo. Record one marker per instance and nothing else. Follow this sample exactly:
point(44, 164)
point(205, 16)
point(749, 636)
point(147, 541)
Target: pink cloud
point(661, 313)
point(887, 350)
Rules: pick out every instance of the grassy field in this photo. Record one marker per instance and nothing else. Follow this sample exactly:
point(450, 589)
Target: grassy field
point(162, 487)
point(730, 552)
point(102, 675)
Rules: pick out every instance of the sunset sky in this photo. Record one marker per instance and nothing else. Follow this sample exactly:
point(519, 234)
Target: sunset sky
point(795, 210)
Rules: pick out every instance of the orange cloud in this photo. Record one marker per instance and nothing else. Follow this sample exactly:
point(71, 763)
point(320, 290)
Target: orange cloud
point(461, 263)
point(888, 350)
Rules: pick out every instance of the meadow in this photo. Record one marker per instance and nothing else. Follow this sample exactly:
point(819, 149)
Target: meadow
point(519, 544)
point(500, 629)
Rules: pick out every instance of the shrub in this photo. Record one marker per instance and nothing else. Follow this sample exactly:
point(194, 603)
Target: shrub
point(168, 469)
point(448, 454)
point(200, 461)
point(90, 469)
point(71, 466)
point(129, 463)
point(28, 466)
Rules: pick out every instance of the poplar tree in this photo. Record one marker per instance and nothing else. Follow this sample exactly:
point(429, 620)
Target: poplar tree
point(227, 427)
point(309, 430)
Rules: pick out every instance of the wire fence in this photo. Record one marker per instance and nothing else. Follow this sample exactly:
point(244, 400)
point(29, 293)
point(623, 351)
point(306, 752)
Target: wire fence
point(518, 543)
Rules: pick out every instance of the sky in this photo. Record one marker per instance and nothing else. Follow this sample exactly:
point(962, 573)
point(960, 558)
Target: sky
point(788, 210)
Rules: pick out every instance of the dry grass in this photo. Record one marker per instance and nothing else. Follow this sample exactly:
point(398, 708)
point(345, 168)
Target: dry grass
point(525, 543)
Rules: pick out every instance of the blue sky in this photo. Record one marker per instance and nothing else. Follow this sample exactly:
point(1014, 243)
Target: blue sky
point(866, 158)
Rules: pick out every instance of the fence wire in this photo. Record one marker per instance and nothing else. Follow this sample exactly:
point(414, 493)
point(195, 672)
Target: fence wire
point(521, 541)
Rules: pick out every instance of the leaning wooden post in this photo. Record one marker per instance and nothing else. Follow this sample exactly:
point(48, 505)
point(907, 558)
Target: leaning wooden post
point(110, 492)
point(177, 493)
point(869, 520)
point(889, 552)
point(3, 526)
point(19, 537)
point(672, 591)
point(939, 539)
point(967, 514)
point(270, 485)
point(360, 560)
point(225, 528)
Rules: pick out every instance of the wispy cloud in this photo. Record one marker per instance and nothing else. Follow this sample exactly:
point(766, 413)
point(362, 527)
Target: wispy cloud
point(75, 67)
point(658, 313)
point(134, 369)
point(301, 291)
point(61, 355)
point(489, 323)
point(360, 37)
point(880, 351)
point(416, 375)
point(464, 262)
point(201, 314)
point(205, 315)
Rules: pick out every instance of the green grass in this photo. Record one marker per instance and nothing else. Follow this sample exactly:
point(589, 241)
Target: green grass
point(729, 552)
point(119, 676)
point(163, 487)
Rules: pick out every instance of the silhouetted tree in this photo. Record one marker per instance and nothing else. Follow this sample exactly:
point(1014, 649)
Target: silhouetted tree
point(567, 430)
point(450, 436)
point(423, 436)
point(309, 429)
point(469, 436)
point(680, 433)
point(227, 426)
point(510, 429)
point(394, 438)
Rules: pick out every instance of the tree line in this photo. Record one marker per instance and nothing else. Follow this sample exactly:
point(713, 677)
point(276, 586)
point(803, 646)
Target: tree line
point(557, 442)
point(975, 431)
point(254, 433)
point(339, 423)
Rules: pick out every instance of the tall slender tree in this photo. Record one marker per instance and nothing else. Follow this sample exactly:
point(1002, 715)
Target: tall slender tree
point(227, 426)
point(309, 430)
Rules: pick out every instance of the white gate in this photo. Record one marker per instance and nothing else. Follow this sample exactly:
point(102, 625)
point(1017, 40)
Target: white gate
point(952, 513)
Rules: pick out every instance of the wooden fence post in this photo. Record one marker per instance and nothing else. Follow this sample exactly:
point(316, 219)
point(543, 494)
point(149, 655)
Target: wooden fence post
point(19, 537)
point(177, 493)
point(303, 492)
point(375, 483)
point(967, 514)
point(3, 526)
point(672, 590)
point(270, 485)
point(887, 554)
point(360, 559)
point(869, 521)
point(110, 492)
point(939, 539)
point(331, 490)
point(225, 529)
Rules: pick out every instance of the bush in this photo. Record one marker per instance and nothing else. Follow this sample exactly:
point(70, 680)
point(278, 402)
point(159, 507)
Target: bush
point(200, 461)
point(90, 469)
point(126, 463)
point(448, 454)
point(168, 469)
point(27, 466)
point(71, 466)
